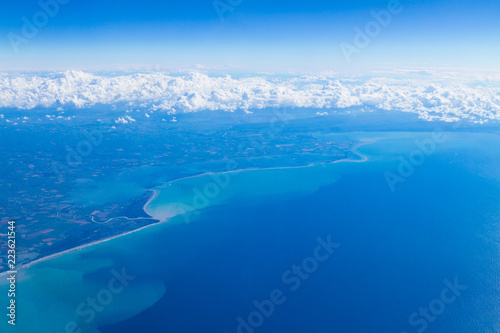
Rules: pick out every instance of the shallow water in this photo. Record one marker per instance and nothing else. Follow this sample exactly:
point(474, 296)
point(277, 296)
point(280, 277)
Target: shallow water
point(201, 273)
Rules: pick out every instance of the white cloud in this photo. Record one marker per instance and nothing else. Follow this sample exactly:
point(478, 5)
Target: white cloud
point(121, 120)
point(432, 97)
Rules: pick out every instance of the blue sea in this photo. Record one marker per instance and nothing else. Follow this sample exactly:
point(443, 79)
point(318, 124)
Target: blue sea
point(317, 249)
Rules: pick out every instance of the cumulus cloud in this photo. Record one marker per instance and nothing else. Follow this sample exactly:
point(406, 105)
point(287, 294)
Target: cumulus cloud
point(432, 99)
point(121, 120)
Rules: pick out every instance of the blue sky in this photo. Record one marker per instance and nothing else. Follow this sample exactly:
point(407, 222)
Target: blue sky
point(255, 35)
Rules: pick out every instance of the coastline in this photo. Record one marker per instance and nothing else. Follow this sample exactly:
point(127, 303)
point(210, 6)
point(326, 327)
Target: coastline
point(354, 149)
point(156, 192)
point(79, 248)
point(151, 198)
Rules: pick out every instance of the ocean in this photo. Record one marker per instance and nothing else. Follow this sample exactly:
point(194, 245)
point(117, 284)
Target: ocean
point(404, 241)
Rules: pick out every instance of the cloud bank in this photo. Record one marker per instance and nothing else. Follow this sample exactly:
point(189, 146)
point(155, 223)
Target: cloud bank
point(431, 99)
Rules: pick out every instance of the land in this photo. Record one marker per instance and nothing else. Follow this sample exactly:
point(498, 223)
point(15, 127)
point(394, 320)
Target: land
point(74, 177)
point(52, 170)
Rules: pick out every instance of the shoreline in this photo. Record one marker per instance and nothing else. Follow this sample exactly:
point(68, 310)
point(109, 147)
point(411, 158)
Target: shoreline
point(354, 149)
point(78, 248)
point(151, 198)
point(156, 192)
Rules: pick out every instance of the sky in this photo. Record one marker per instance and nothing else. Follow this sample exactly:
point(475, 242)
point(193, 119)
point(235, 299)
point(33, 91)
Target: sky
point(249, 35)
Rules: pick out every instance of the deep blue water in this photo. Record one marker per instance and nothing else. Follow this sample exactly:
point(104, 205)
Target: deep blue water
point(396, 250)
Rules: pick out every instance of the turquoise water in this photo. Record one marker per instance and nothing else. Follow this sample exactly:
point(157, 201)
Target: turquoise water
point(398, 246)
